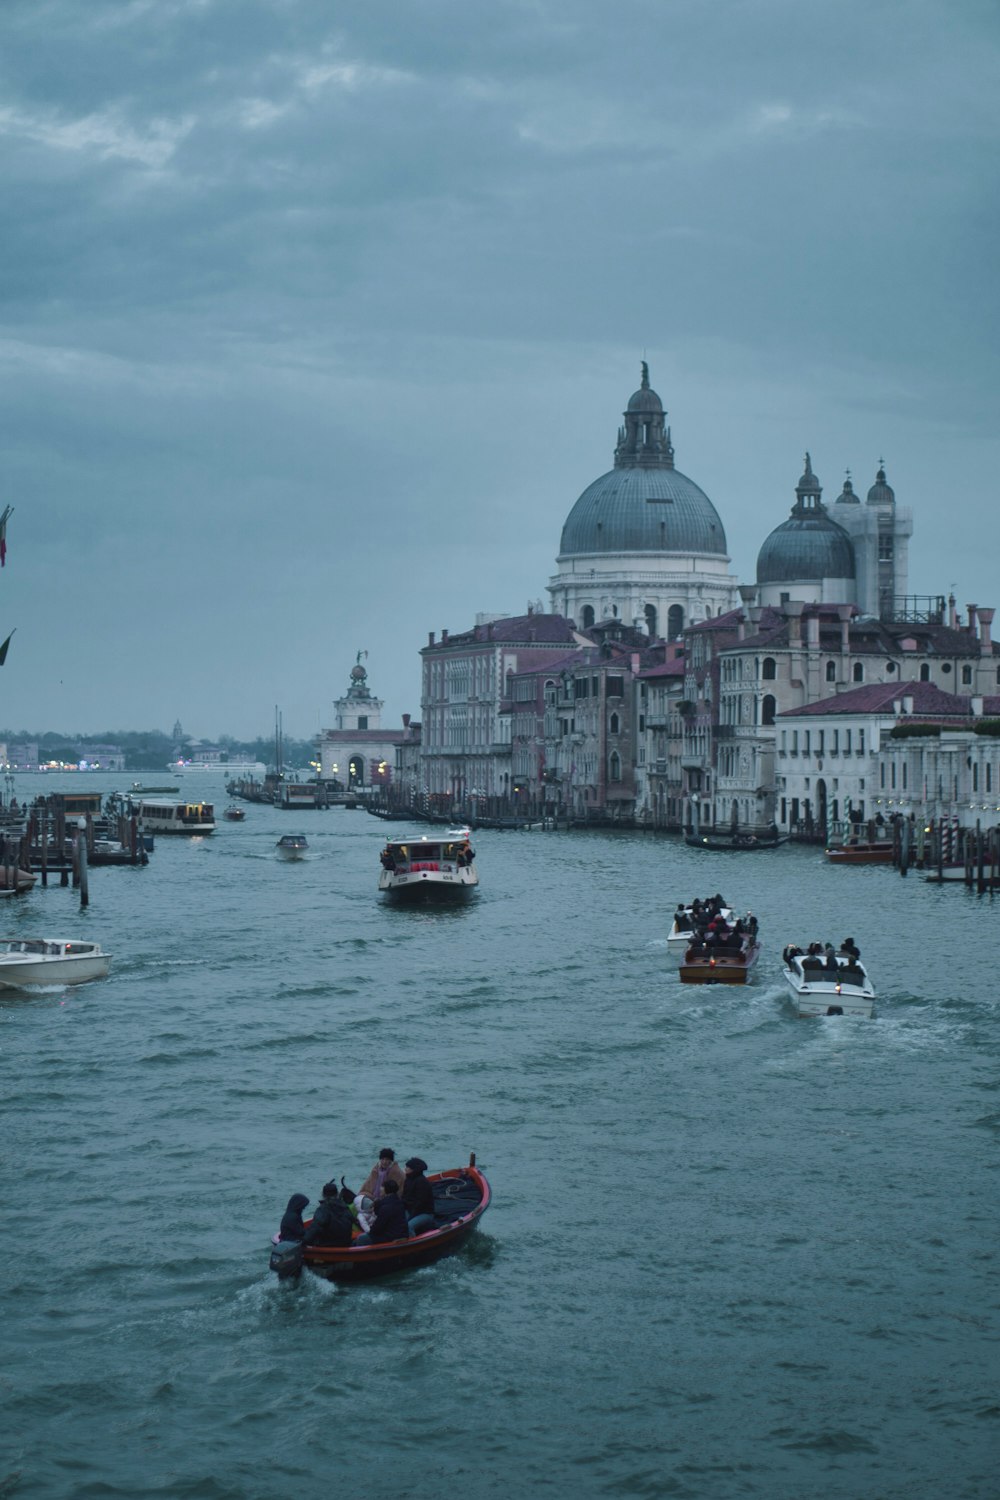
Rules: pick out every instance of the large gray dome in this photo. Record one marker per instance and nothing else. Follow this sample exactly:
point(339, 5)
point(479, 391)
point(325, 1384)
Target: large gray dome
point(809, 546)
point(643, 510)
point(643, 504)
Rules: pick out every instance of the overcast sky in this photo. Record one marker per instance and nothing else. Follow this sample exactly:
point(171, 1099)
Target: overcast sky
point(318, 317)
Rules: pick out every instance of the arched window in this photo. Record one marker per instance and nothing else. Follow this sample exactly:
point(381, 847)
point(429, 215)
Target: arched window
point(925, 671)
point(859, 672)
point(769, 671)
point(831, 671)
point(650, 613)
point(587, 619)
point(675, 623)
point(767, 709)
point(613, 726)
point(614, 766)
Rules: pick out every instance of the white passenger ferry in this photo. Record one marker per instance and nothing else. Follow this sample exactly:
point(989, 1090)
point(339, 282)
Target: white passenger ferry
point(834, 986)
point(175, 817)
point(426, 865)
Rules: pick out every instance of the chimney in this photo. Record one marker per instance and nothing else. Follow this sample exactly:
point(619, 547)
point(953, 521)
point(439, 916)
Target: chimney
point(952, 612)
point(977, 707)
point(430, 637)
point(793, 614)
point(844, 613)
point(812, 632)
point(634, 662)
point(741, 626)
point(756, 610)
point(985, 622)
point(444, 637)
point(406, 725)
point(908, 704)
point(972, 619)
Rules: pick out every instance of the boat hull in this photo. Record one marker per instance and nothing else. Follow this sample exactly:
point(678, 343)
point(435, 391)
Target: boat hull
point(743, 845)
point(420, 885)
point(723, 968)
point(52, 971)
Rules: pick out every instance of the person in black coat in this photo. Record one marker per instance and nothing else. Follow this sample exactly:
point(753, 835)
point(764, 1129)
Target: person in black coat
point(390, 1218)
point(418, 1197)
point(333, 1222)
point(292, 1227)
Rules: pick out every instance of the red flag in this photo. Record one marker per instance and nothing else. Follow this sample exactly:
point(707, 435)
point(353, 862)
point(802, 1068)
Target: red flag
point(5, 647)
point(8, 510)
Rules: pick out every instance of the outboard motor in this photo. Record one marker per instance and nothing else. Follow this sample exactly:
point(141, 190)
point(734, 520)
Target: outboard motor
point(286, 1259)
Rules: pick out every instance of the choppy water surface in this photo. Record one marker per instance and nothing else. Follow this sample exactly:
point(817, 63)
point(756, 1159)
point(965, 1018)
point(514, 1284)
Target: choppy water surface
point(731, 1253)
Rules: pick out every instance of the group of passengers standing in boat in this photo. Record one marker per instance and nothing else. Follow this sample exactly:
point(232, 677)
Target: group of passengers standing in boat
point(392, 1203)
point(709, 929)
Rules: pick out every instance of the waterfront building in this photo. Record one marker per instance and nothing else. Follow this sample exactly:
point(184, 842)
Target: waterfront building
point(660, 737)
point(946, 770)
point(757, 663)
point(359, 752)
point(829, 766)
point(643, 544)
point(468, 705)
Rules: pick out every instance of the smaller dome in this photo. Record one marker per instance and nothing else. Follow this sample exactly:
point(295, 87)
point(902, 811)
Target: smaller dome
point(805, 548)
point(645, 399)
point(847, 495)
point(881, 493)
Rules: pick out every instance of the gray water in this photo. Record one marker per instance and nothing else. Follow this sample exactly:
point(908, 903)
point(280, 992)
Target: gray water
point(730, 1253)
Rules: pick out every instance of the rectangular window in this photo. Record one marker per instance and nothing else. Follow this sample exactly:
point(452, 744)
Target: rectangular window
point(820, 737)
point(861, 742)
point(805, 747)
point(847, 742)
point(795, 742)
point(835, 747)
point(616, 687)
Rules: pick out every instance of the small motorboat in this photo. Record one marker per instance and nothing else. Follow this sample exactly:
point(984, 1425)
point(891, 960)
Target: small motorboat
point(292, 846)
point(727, 961)
point(426, 865)
point(461, 1197)
point(25, 962)
point(234, 814)
point(861, 852)
point(823, 988)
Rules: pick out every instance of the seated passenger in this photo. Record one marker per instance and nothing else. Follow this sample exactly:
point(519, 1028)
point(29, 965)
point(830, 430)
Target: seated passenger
point(384, 1170)
point(333, 1222)
point(850, 947)
point(390, 1218)
point(830, 963)
point(292, 1227)
point(418, 1197)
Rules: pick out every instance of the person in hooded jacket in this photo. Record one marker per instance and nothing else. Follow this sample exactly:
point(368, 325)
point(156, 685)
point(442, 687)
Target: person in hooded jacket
point(333, 1222)
point(418, 1197)
point(292, 1227)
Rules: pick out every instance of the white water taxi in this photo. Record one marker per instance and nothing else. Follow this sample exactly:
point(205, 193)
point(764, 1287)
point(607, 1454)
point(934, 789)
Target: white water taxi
point(428, 865)
point(29, 961)
point(292, 846)
point(175, 817)
point(820, 988)
point(682, 930)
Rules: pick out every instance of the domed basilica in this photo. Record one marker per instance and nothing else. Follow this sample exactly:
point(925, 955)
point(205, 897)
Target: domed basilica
point(643, 544)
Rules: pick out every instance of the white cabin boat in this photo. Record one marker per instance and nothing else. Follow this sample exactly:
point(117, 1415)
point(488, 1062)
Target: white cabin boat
point(292, 846)
point(679, 938)
point(429, 865)
point(820, 990)
point(176, 817)
point(25, 962)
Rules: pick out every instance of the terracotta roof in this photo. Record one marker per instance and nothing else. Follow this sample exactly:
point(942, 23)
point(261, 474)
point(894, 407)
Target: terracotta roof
point(879, 697)
point(519, 630)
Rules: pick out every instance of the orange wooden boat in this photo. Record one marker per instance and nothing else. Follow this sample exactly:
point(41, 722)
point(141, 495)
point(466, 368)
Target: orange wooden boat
point(877, 852)
point(461, 1197)
point(719, 965)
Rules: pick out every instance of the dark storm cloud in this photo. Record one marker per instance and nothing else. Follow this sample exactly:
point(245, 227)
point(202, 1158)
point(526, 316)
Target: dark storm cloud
point(305, 304)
